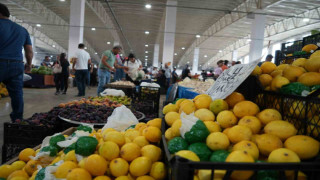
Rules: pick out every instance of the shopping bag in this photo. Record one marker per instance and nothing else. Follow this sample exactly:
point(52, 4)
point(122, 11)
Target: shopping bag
point(112, 92)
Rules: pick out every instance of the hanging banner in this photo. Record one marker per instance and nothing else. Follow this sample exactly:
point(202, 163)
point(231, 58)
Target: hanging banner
point(231, 79)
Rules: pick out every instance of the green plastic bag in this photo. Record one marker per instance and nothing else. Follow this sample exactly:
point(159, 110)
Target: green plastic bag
point(295, 88)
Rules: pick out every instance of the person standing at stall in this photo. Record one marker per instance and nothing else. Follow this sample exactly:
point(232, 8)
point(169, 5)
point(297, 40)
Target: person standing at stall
point(174, 76)
point(80, 67)
point(90, 69)
point(134, 67)
point(13, 38)
point(167, 74)
point(119, 74)
point(65, 72)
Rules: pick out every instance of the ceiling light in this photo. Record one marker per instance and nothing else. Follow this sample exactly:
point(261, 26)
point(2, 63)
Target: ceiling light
point(205, 56)
point(183, 48)
point(85, 48)
point(175, 54)
point(121, 54)
point(36, 52)
point(146, 56)
point(93, 29)
point(51, 56)
point(306, 20)
point(200, 65)
point(146, 59)
point(108, 42)
point(146, 45)
point(188, 62)
point(208, 63)
point(148, 6)
point(198, 36)
point(53, 45)
point(62, 0)
point(220, 51)
point(147, 32)
point(178, 65)
point(249, 40)
point(146, 52)
point(95, 53)
point(38, 25)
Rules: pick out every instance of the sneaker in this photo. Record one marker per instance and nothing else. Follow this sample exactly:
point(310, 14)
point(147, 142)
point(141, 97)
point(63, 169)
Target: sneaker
point(64, 93)
point(57, 93)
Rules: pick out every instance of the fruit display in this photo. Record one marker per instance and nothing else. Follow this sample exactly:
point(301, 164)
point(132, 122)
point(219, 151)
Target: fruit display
point(125, 100)
point(196, 85)
point(47, 119)
point(3, 91)
point(234, 130)
point(92, 101)
point(123, 83)
point(88, 113)
point(88, 154)
point(300, 77)
point(42, 70)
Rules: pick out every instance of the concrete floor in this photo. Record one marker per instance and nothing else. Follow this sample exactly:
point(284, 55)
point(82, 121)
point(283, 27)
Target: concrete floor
point(43, 100)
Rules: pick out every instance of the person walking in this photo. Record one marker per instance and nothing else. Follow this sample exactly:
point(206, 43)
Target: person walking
point(106, 66)
point(174, 76)
point(13, 38)
point(167, 73)
point(90, 70)
point(57, 76)
point(65, 72)
point(80, 67)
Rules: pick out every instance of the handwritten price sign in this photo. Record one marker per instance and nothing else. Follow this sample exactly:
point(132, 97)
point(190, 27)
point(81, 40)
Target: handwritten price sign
point(231, 79)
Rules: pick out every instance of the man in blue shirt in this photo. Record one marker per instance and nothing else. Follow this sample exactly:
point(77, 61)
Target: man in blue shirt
point(13, 38)
point(46, 61)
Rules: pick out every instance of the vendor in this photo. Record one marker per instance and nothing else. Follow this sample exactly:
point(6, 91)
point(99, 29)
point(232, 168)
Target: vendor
point(134, 72)
point(46, 61)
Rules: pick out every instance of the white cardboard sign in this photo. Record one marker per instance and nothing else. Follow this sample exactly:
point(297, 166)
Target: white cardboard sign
point(231, 79)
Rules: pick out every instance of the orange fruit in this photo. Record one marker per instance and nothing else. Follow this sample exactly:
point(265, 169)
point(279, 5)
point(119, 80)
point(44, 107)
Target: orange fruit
point(152, 134)
point(265, 80)
point(24, 154)
point(96, 165)
point(234, 98)
point(31, 167)
point(79, 174)
point(268, 67)
point(245, 108)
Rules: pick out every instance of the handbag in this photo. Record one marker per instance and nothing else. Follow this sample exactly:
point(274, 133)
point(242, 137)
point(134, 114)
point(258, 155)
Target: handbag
point(57, 68)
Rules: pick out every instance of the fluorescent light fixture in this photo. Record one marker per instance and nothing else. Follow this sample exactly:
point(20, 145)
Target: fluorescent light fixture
point(36, 52)
point(53, 45)
point(95, 53)
point(208, 63)
point(38, 25)
point(205, 56)
point(306, 20)
point(62, 0)
point(148, 6)
point(85, 48)
point(146, 59)
point(183, 48)
point(146, 45)
point(175, 54)
point(146, 52)
point(146, 56)
point(121, 54)
point(220, 51)
point(198, 36)
point(93, 29)
point(249, 40)
point(188, 62)
point(51, 56)
point(147, 32)
point(108, 42)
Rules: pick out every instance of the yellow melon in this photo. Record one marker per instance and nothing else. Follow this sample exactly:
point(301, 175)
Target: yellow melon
point(306, 147)
point(300, 62)
point(313, 64)
point(309, 47)
point(292, 73)
point(265, 80)
point(310, 78)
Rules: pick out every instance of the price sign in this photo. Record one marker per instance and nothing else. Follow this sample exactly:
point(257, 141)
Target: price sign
point(231, 79)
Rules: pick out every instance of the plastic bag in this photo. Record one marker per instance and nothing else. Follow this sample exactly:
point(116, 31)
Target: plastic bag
point(150, 84)
point(120, 119)
point(295, 88)
point(187, 121)
point(112, 92)
point(26, 77)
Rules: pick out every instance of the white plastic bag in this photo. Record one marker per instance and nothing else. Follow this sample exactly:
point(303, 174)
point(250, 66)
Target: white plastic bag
point(120, 119)
point(150, 84)
point(26, 77)
point(187, 121)
point(112, 92)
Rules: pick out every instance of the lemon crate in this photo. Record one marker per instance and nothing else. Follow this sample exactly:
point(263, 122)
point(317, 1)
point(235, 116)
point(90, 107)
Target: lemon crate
point(182, 169)
point(150, 94)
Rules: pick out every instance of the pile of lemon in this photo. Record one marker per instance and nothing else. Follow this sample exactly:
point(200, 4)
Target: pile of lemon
point(239, 127)
point(132, 154)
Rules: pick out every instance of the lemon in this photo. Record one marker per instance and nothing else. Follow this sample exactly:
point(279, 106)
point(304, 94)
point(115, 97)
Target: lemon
point(218, 105)
point(130, 151)
point(71, 156)
point(152, 134)
point(239, 133)
point(170, 108)
point(102, 178)
point(151, 151)
point(25, 154)
point(158, 170)
point(204, 115)
point(304, 146)
point(217, 141)
point(81, 163)
point(79, 174)
point(115, 137)
point(257, 71)
point(175, 128)
point(155, 122)
point(64, 169)
point(245, 108)
point(267, 143)
point(227, 119)
point(179, 102)
point(168, 134)
point(140, 125)
point(240, 156)
point(141, 141)
point(247, 146)
point(268, 67)
point(131, 134)
point(269, 115)
point(96, 165)
point(282, 129)
point(140, 166)
point(119, 167)
point(251, 122)
point(188, 155)
point(109, 150)
point(203, 102)
point(122, 178)
point(18, 165)
point(187, 108)
point(283, 155)
point(212, 126)
point(171, 117)
point(265, 80)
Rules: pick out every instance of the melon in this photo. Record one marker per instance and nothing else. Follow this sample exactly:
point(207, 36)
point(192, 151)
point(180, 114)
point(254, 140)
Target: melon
point(313, 64)
point(309, 47)
point(310, 78)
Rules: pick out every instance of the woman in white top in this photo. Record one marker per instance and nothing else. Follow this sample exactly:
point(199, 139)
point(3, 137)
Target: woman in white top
point(134, 72)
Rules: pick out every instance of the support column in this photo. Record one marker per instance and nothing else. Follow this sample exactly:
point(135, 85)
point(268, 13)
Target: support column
point(195, 60)
point(170, 29)
point(155, 62)
point(77, 8)
point(234, 55)
point(257, 36)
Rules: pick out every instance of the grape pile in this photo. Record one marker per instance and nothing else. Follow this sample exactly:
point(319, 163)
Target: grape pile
point(48, 119)
point(87, 113)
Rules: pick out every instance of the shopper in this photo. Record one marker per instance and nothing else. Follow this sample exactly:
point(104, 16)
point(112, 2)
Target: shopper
point(167, 73)
point(154, 72)
point(90, 70)
point(204, 75)
point(268, 59)
point(80, 67)
point(106, 66)
point(119, 74)
point(225, 65)
point(186, 72)
point(12, 38)
point(134, 69)
point(65, 72)
point(57, 76)
point(218, 70)
point(174, 76)
point(46, 62)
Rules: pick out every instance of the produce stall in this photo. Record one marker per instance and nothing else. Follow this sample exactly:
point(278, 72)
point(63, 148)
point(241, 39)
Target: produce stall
point(40, 81)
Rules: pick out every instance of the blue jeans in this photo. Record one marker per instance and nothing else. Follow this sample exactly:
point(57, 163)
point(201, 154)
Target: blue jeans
point(11, 74)
point(104, 78)
point(88, 78)
point(119, 75)
point(81, 76)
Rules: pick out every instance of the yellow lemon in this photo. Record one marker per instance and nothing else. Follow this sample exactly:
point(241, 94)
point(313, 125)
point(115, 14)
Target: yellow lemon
point(79, 174)
point(171, 117)
point(130, 151)
point(141, 141)
point(204, 115)
point(140, 166)
point(115, 137)
point(119, 167)
point(158, 170)
point(212, 126)
point(217, 141)
point(151, 151)
point(64, 169)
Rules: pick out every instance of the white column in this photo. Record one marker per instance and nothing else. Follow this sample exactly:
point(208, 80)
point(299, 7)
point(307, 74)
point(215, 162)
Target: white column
point(195, 60)
point(234, 55)
point(257, 37)
point(77, 8)
point(170, 29)
point(155, 62)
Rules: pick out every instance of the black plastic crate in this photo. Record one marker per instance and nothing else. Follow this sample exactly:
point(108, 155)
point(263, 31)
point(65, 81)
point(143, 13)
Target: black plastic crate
point(26, 134)
point(313, 39)
point(183, 169)
point(10, 151)
point(291, 47)
point(150, 94)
